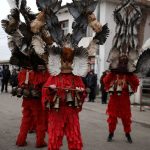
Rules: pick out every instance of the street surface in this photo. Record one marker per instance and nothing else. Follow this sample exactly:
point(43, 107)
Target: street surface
point(93, 128)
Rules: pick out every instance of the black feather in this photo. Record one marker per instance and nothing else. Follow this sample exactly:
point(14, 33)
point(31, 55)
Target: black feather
point(36, 60)
point(47, 4)
point(80, 10)
point(80, 52)
point(25, 31)
point(79, 29)
point(54, 28)
point(143, 64)
point(73, 10)
point(10, 25)
point(102, 36)
point(19, 59)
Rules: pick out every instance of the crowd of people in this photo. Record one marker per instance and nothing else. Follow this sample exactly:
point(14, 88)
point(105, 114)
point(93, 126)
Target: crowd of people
point(7, 78)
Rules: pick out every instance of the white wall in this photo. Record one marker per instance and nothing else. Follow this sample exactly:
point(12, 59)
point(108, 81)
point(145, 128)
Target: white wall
point(147, 29)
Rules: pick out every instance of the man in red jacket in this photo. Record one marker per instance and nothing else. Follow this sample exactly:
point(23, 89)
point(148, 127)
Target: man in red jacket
point(30, 84)
point(120, 86)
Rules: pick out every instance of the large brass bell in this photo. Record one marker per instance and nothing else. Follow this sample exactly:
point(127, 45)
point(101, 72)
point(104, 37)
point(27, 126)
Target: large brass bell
point(119, 90)
point(130, 89)
point(19, 92)
point(69, 99)
point(14, 91)
point(35, 94)
point(26, 93)
point(111, 90)
point(48, 105)
point(57, 103)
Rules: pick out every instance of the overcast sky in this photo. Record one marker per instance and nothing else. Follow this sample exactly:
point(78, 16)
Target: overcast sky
point(5, 9)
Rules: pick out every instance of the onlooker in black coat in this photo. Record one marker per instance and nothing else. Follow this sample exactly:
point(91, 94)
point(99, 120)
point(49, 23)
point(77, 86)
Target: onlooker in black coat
point(6, 77)
point(14, 78)
point(91, 82)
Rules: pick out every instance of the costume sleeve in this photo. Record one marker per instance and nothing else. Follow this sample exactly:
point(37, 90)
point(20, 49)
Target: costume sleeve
point(21, 77)
point(108, 79)
point(133, 81)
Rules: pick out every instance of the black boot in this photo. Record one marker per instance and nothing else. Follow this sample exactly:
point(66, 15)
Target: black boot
point(129, 137)
point(109, 139)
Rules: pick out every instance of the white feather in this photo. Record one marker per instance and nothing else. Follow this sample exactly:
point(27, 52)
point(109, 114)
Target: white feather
point(80, 66)
point(131, 66)
point(54, 64)
point(16, 38)
point(146, 45)
point(20, 1)
point(133, 55)
point(12, 4)
point(38, 45)
point(113, 55)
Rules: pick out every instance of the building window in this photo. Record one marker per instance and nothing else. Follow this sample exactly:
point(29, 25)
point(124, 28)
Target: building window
point(89, 32)
point(65, 26)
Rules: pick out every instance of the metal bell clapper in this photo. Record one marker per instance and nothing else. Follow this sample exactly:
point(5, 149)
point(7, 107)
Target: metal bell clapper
point(111, 90)
point(19, 92)
point(119, 90)
point(130, 89)
point(69, 99)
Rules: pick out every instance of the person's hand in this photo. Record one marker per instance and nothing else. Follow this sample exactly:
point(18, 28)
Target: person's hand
point(79, 89)
point(53, 86)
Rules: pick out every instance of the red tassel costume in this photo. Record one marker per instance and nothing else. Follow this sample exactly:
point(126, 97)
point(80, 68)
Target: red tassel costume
point(65, 119)
point(119, 103)
point(32, 108)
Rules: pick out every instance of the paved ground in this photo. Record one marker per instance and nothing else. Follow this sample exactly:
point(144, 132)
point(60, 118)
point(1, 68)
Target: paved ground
point(93, 127)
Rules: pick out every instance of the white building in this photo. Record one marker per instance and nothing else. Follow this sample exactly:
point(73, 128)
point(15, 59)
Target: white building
point(104, 13)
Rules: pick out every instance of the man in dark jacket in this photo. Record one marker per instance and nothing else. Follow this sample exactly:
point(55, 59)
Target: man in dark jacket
point(6, 77)
point(14, 78)
point(91, 81)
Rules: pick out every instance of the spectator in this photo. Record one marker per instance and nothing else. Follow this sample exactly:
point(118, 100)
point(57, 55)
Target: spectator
point(103, 91)
point(91, 81)
point(14, 78)
point(6, 77)
point(1, 76)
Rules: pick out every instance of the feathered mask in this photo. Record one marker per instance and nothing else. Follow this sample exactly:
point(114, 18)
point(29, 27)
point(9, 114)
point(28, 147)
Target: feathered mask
point(67, 57)
point(20, 35)
point(124, 52)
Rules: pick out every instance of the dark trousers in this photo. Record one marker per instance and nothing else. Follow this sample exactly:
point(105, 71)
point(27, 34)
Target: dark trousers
point(92, 94)
point(4, 85)
point(104, 97)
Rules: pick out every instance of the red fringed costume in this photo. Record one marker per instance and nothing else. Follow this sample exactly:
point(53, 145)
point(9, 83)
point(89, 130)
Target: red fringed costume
point(32, 107)
point(63, 118)
point(119, 103)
